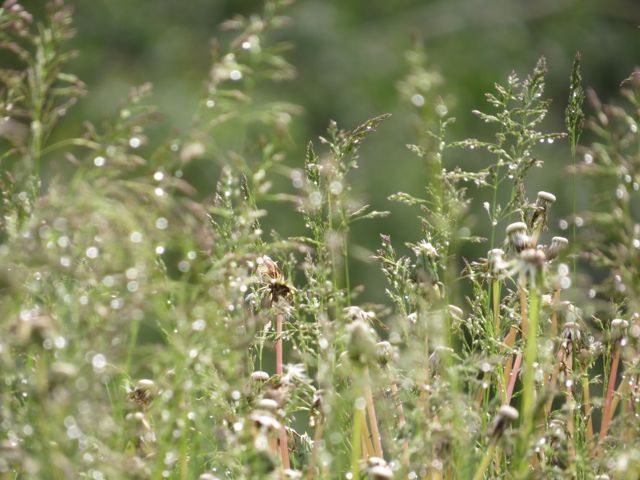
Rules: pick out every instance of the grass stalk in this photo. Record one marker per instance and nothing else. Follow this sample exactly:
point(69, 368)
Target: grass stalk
point(356, 452)
point(606, 412)
point(586, 401)
point(373, 420)
point(283, 441)
point(528, 381)
point(486, 460)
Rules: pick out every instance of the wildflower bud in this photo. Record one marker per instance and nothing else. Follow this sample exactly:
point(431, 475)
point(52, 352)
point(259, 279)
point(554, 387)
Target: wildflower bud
point(517, 233)
point(506, 415)
point(496, 260)
point(144, 392)
point(558, 244)
point(380, 472)
point(259, 376)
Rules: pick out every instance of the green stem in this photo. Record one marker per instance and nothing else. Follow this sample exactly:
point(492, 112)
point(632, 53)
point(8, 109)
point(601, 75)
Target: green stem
point(486, 460)
point(356, 444)
point(528, 382)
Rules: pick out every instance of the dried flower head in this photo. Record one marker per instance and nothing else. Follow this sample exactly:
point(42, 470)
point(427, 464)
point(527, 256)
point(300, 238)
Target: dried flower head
point(265, 421)
point(272, 279)
point(144, 392)
point(517, 235)
point(571, 331)
point(385, 352)
point(259, 376)
point(506, 414)
point(619, 324)
point(356, 313)
point(496, 261)
point(529, 264)
point(558, 244)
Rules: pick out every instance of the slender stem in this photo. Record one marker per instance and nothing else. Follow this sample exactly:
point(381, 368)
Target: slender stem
point(496, 306)
point(366, 441)
point(356, 453)
point(317, 438)
point(606, 413)
point(514, 377)
point(486, 460)
point(373, 420)
point(586, 400)
point(528, 380)
point(284, 447)
point(279, 323)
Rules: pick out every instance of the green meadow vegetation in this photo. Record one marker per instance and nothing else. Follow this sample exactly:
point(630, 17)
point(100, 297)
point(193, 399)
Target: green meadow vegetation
point(153, 329)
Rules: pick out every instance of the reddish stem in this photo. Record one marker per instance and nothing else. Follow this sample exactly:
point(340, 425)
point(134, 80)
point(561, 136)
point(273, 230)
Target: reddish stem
point(606, 413)
point(284, 448)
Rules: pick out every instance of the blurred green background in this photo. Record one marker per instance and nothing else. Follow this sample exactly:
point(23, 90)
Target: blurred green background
point(350, 56)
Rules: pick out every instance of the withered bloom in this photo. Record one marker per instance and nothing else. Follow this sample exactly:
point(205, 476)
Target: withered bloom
point(273, 279)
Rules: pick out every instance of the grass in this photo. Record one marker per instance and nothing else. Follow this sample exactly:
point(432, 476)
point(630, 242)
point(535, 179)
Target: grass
point(150, 331)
